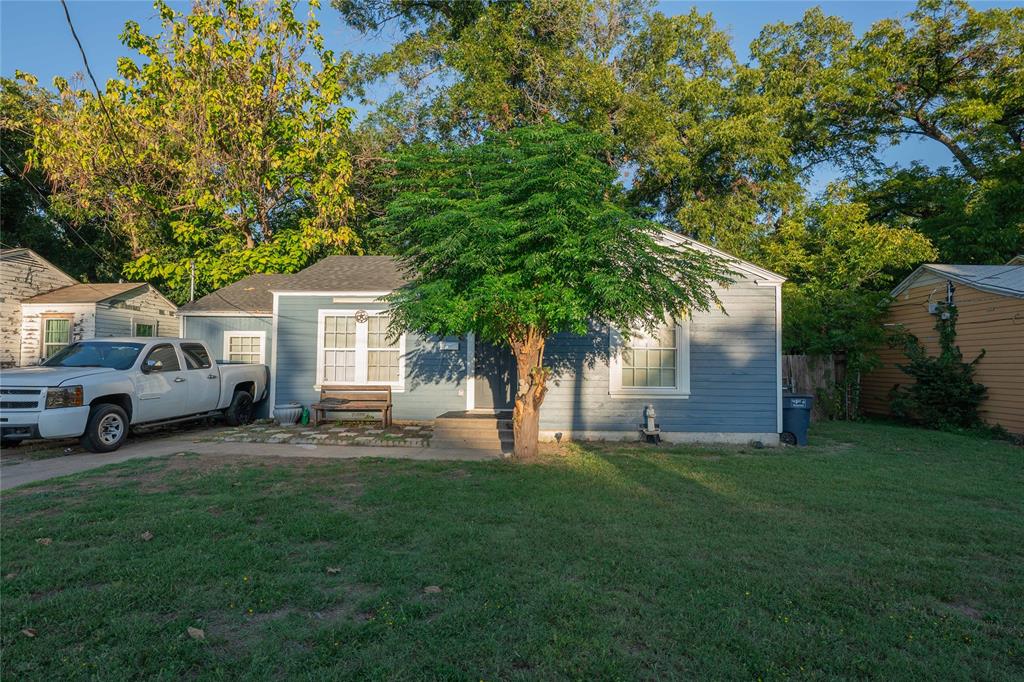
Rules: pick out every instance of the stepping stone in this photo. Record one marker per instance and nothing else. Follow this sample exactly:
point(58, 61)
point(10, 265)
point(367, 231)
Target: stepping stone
point(340, 429)
point(319, 436)
point(374, 431)
point(363, 440)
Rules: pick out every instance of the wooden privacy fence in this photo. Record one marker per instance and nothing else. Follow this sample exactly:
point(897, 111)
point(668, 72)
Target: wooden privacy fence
point(822, 376)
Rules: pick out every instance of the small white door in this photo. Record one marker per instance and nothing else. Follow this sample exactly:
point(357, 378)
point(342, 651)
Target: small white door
point(162, 386)
point(203, 378)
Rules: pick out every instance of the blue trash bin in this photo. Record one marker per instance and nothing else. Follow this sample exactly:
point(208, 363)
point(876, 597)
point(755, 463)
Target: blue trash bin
point(796, 418)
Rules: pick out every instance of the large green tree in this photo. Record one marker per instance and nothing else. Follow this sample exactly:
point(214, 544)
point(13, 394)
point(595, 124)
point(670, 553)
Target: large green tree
point(946, 73)
point(222, 143)
point(840, 266)
point(700, 145)
point(521, 237)
point(86, 250)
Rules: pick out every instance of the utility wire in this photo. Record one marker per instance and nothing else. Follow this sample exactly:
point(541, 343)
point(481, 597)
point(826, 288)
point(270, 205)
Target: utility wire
point(103, 106)
point(95, 85)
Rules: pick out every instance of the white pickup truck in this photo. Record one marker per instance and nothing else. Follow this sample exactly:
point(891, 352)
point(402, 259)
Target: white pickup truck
point(96, 390)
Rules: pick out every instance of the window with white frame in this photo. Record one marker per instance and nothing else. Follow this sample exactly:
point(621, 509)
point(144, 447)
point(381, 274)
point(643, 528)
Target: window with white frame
point(56, 334)
point(651, 364)
point(355, 347)
point(245, 347)
point(339, 349)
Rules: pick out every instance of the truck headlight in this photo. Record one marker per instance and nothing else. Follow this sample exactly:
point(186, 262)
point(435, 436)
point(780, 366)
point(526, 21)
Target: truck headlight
point(66, 396)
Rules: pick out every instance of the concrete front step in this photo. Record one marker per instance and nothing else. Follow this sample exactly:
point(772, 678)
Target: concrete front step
point(473, 430)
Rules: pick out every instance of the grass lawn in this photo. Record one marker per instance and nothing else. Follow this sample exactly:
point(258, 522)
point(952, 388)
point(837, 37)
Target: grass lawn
point(881, 551)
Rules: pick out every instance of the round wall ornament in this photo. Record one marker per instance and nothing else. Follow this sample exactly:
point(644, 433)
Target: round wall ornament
point(361, 316)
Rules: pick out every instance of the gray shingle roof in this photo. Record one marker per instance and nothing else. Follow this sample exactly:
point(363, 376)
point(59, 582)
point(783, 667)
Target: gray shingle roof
point(1007, 280)
point(347, 273)
point(85, 293)
point(250, 295)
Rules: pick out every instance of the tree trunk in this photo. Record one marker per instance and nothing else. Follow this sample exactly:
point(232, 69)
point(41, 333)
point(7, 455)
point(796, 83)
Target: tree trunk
point(530, 392)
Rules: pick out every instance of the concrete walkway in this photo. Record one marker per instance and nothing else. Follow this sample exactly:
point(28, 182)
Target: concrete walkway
point(31, 470)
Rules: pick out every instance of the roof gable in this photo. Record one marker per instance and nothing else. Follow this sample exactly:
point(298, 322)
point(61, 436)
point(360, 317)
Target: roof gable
point(1006, 280)
point(29, 257)
point(86, 293)
point(758, 273)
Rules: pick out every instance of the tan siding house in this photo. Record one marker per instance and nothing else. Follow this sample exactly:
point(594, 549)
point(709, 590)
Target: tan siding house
point(23, 274)
point(990, 316)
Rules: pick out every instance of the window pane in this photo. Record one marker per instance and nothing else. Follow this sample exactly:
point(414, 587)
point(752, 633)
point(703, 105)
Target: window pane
point(382, 365)
point(339, 366)
point(58, 330)
point(377, 332)
point(246, 349)
point(166, 355)
point(650, 361)
point(143, 329)
point(339, 332)
point(196, 356)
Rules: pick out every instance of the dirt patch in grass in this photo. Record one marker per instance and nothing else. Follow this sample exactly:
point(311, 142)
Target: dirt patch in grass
point(965, 609)
point(237, 636)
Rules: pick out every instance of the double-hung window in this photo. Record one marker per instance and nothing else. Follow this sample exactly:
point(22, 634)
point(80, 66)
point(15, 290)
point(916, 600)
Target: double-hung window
point(338, 357)
point(56, 334)
point(356, 348)
point(245, 347)
point(652, 365)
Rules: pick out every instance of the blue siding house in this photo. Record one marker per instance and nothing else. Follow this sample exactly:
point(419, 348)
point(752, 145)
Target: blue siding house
point(714, 377)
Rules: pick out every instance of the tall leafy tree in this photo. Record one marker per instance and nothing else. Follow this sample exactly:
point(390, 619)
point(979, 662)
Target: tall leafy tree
point(947, 73)
point(521, 237)
point(86, 250)
point(699, 144)
point(840, 267)
point(222, 143)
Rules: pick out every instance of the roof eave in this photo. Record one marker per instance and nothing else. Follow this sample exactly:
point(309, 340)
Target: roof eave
point(909, 280)
point(749, 268)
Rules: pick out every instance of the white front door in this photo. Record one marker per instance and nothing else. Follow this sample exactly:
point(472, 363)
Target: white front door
point(162, 386)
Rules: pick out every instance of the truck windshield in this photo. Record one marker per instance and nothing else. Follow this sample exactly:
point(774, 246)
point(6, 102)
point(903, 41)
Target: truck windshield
point(110, 354)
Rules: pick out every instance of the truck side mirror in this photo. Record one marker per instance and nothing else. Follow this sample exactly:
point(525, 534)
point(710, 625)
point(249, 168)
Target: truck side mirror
point(152, 366)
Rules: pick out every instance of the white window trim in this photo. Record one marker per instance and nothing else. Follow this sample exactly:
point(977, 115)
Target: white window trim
point(361, 350)
point(681, 390)
point(241, 334)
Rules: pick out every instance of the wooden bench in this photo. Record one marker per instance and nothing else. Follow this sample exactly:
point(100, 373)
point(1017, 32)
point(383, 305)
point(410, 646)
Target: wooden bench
point(353, 399)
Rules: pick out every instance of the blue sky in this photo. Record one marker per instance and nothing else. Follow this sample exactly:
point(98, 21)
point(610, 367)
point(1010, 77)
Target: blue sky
point(34, 37)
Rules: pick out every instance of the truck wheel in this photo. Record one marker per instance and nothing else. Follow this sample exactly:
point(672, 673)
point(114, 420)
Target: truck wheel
point(240, 411)
point(106, 430)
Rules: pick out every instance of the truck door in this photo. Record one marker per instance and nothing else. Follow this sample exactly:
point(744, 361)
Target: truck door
point(161, 385)
point(203, 378)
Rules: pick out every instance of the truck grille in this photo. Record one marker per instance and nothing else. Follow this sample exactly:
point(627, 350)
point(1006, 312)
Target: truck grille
point(21, 398)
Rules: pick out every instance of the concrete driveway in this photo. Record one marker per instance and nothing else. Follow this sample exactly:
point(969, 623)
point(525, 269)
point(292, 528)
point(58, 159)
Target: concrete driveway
point(19, 472)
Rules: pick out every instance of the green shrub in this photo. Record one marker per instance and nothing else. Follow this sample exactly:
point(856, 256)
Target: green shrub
point(944, 394)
